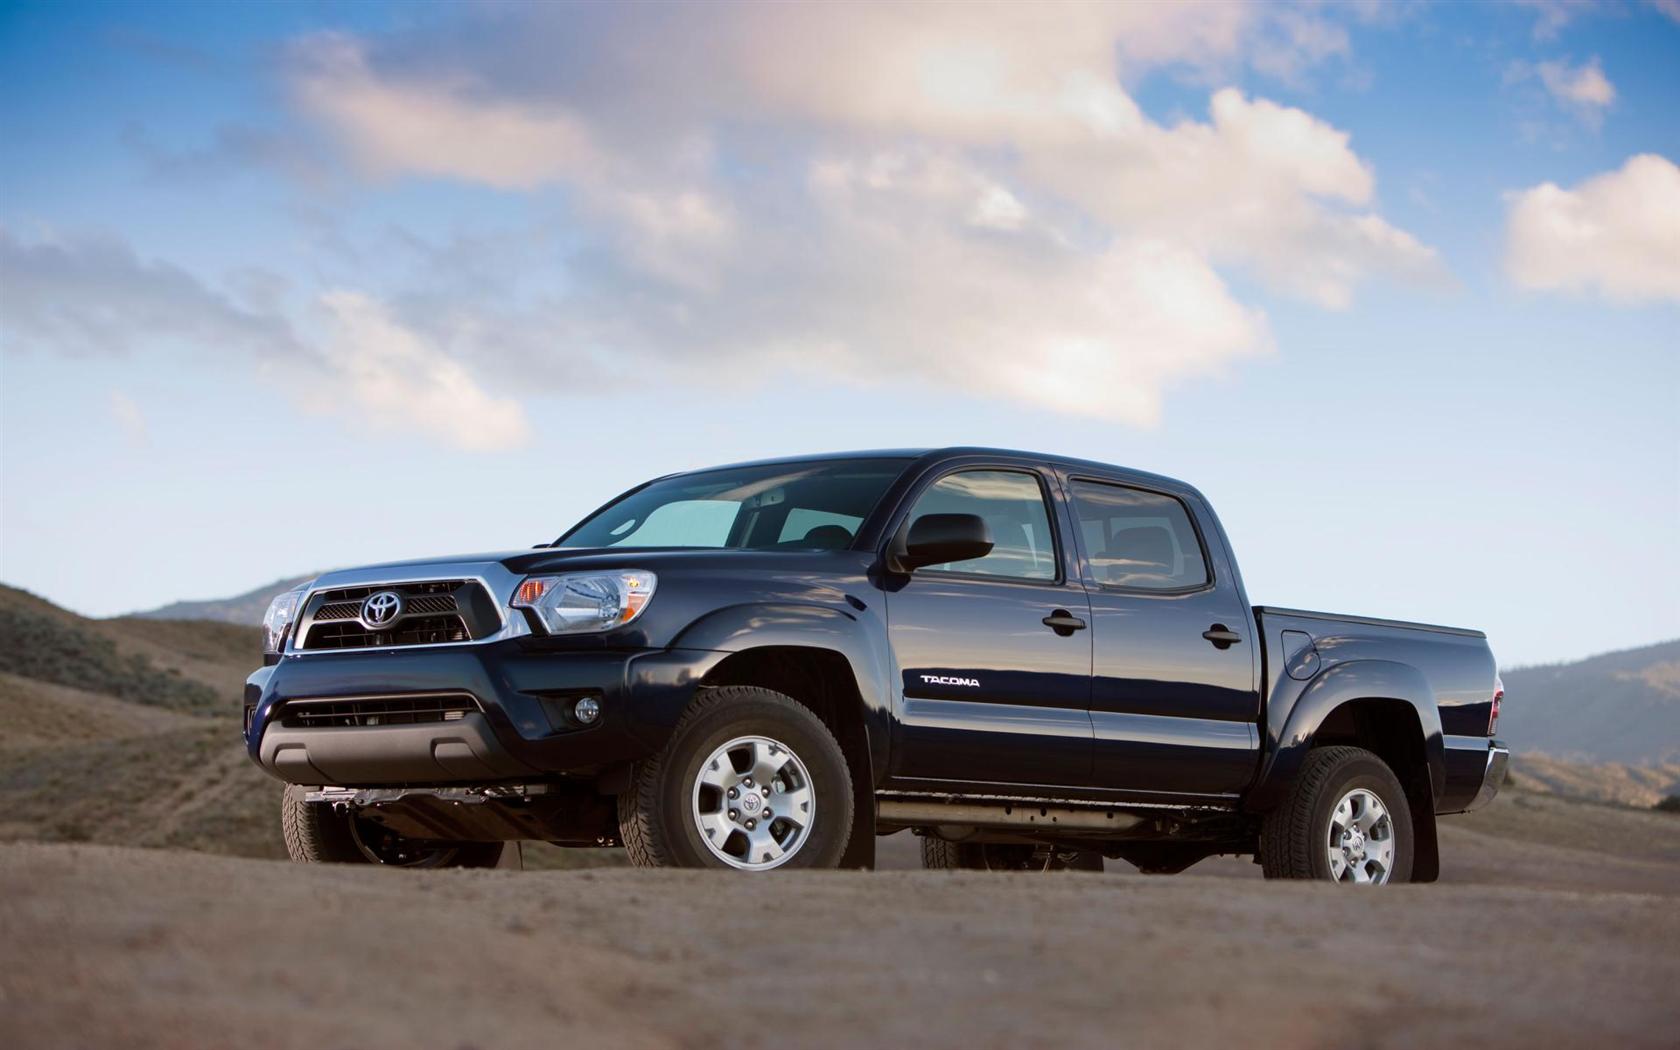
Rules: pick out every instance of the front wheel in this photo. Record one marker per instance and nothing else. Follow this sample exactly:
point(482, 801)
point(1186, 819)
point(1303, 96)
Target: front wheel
point(750, 780)
point(1345, 819)
point(320, 833)
point(939, 855)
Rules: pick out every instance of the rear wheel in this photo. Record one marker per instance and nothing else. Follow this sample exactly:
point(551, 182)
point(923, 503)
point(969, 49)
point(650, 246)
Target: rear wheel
point(1344, 819)
point(319, 833)
point(750, 780)
point(937, 854)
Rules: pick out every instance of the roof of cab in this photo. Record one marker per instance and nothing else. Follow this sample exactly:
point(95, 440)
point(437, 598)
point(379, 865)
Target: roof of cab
point(954, 451)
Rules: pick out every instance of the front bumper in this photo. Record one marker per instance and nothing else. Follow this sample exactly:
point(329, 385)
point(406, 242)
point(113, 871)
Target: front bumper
point(516, 725)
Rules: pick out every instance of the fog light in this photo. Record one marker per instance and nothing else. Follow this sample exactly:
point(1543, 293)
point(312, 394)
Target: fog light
point(587, 710)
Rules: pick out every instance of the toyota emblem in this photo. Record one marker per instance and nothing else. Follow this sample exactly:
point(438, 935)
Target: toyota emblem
point(380, 609)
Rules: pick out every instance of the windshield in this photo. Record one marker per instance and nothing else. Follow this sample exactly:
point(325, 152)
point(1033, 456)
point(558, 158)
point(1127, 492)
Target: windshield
point(810, 506)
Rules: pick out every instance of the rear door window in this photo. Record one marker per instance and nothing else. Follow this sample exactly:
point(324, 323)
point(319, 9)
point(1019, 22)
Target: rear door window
point(1136, 539)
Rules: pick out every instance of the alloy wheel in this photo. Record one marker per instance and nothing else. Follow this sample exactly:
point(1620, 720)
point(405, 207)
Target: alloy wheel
point(753, 803)
point(1360, 841)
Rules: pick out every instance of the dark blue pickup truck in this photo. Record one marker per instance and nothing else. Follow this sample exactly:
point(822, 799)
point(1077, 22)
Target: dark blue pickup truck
point(1030, 662)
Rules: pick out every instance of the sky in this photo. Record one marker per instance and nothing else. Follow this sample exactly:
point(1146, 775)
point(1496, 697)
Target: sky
point(299, 286)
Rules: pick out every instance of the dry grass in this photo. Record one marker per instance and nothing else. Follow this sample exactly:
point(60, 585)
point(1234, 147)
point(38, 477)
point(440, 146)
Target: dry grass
point(1641, 786)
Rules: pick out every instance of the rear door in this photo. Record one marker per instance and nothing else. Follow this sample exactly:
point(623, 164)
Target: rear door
point(1175, 703)
point(989, 693)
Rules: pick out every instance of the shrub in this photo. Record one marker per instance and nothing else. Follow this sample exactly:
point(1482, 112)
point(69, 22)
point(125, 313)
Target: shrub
point(50, 650)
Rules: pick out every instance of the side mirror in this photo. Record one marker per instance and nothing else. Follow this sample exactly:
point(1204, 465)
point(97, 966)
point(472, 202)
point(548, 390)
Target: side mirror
point(936, 539)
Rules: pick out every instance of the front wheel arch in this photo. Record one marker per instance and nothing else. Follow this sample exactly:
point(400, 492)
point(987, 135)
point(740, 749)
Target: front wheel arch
point(658, 826)
point(824, 682)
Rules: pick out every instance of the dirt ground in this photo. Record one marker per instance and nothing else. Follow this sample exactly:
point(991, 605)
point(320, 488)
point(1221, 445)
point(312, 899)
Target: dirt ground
point(1524, 943)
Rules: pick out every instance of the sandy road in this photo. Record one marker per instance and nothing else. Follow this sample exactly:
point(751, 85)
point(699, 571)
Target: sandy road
point(103, 946)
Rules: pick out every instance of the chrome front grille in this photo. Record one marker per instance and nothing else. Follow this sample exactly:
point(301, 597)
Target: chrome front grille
point(375, 711)
point(411, 630)
point(434, 612)
point(425, 604)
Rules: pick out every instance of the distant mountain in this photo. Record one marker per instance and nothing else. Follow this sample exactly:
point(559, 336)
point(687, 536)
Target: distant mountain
point(1619, 707)
point(247, 608)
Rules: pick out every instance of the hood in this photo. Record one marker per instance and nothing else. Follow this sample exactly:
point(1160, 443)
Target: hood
point(419, 566)
point(501, 571)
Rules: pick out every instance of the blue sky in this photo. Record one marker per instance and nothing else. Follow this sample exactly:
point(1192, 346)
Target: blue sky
point(289, 287)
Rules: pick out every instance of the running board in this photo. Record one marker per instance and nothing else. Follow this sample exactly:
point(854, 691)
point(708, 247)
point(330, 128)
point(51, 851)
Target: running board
point(917, 813)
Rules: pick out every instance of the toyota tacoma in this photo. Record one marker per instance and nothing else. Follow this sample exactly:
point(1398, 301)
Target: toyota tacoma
point(1028, 661)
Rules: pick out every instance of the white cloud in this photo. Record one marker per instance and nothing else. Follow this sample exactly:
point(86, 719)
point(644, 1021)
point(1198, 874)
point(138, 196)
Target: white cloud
point(1583, 85)
point(446, 126)
point(396, 127)
point(957, 191)
point(1617, 234)
point(1583, 90)
point(1550, 16)
point(126, 411)
point(94, 296)
point(1013, 315)
point(393, 381)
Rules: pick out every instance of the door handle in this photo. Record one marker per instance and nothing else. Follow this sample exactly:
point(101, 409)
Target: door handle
point(1063, 622)
point(1221, 636)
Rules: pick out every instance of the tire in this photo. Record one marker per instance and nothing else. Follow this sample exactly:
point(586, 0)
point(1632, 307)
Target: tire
point(1297, 839)
point(939, 855)
point(316, 833)
point(677, 811)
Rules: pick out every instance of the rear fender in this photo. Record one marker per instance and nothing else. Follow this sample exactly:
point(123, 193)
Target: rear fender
point(1291, 727)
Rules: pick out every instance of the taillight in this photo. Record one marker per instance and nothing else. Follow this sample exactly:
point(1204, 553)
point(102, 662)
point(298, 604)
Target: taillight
point(1498, 697)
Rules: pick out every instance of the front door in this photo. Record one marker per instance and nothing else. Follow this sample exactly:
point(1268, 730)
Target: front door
point(1174, 701)
point(990, 692)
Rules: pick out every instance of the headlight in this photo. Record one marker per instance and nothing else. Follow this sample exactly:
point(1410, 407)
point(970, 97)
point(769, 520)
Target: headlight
point(278, 620)
point(580, 603)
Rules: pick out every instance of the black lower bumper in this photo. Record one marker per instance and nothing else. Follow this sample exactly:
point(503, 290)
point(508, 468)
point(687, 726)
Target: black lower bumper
point(516, 722)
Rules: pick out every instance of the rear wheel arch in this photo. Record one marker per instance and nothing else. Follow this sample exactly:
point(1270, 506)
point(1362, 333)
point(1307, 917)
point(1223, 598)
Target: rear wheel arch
point(1344, 817)
point(1294, 722)
point(1391, 729)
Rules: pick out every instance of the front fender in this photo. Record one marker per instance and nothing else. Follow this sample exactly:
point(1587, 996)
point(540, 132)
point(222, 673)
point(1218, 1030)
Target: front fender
point(857, 634)
point(1293, 720)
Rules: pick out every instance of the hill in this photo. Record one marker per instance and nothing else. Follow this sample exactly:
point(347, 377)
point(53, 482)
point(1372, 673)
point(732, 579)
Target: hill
point(247, 608)
point(1619, 707)
point(127, 731)
point(1614, 782)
